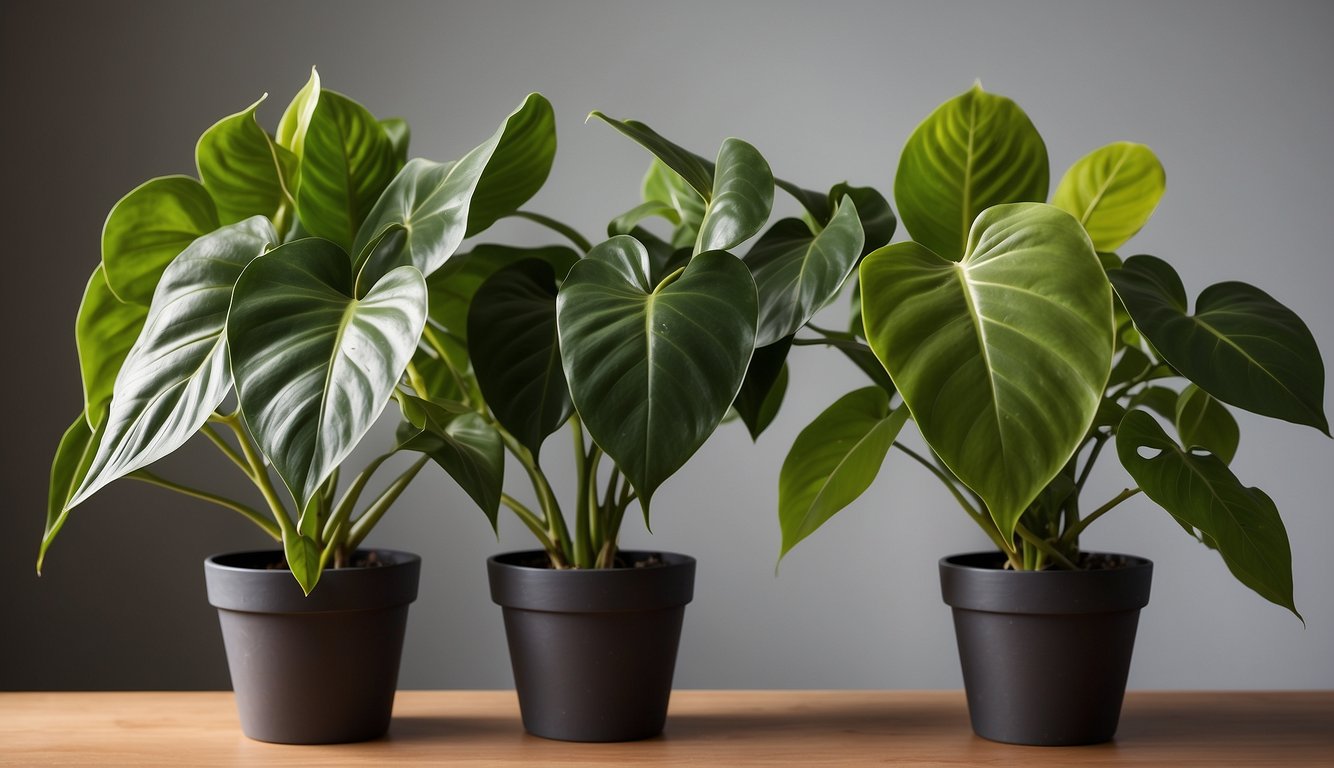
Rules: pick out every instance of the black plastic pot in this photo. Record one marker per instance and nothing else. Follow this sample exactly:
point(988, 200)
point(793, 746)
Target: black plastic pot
point(313, 670)
point(1045, 654)
point(593, 651)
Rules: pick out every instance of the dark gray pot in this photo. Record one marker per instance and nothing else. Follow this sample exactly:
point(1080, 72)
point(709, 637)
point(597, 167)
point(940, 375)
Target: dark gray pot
point(1044, 654)
point(312, 670)
point(593, 651)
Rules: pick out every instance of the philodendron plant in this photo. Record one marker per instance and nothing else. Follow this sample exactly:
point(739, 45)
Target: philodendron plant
point(298, 272)
point(1021, 345)
point(641, 344)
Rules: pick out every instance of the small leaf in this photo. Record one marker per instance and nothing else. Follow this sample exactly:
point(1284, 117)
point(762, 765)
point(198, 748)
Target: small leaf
point(1241, 346)
point(396, 128)
point(1203, 422)
point(834, 460)
point(694, 170)
point(974, 151)
point(73, 457)
point(1202, 493)
point(665, 186)
point(464, 445)
point(147, 229)
point(296, 118)
point(515, 162)
point(877, 218)
point(743, 196)
point(346, 162)
point(1112, 191)
point(104, 330)
point(763, 388)
point(303, 558)
point(1160, 400)
point(627, 222)
point(244, 170)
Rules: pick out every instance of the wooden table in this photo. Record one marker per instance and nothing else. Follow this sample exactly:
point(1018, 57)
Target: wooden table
point(724, 728)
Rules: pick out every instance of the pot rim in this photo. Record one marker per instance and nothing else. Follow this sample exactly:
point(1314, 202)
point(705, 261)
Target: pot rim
point(274, 590)
point(969, 586)
point(591, 590)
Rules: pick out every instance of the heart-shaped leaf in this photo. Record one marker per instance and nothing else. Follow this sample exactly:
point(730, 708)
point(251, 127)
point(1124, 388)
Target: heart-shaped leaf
point(797, 273)
point(463, 444)
point(653, 369)
point(1241, 345)
point(975, 151)
point(314, 366)
point(147, 229)
point(245, 171)
point(515, 351)
point(346, 162)
point(762, 390)
point(834, 460)
point(295, 121)
point(1203, 422)
point(1112, 191)
point(453, 286)
point(1001, 356)
point(73, 457)
point(177, 371)
point(104, 330)
point(1202, 493)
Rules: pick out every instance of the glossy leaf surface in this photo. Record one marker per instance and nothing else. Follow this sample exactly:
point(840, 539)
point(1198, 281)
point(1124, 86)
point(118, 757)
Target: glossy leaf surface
point(73, 457)
point(296, 118)
point(764, 386)
point(467, 448)
point(743, 196)
point(104, 331)
point(244, 170)
point(1001, 356)
point(346, 162)
point(148, 228)
point(1112, 191)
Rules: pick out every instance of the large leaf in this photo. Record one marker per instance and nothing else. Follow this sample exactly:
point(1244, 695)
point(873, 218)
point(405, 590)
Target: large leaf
point(834, 460)
point(73, 457)
point(346, 162)
point(104, 330)
point(518, 160)
point(296, 118)
point(1241, 346)
point(653, 369)
point(315, 366)
point(1202, 493)
point(1001, 356)
point(1112, 191)
point(798, 273)
point(245, 171)
point(147, 229)
point(764, 386)
point(463, 444)
point(515, 351)
point(1203, 422)
point(453, 286)
point(974, 151)
point(177, 371)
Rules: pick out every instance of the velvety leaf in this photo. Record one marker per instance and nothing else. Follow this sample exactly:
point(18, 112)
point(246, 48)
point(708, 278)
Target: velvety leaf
point(743, 196)
point(797, 273)
point(346, 162)
point(104, 330)
point(296, 118)
point(665, 186)
point(1001, 356)
point(396, 128)
point(762, 390)
point(1202, 493)
point(515, 162)
point(1203, 422)
point(463, 444)
point(974, 151)
point(515, 351)
point(245, 171)
point(1112, 191)
point(314, 366)
point(177, 371)
point(1241, 346)
point(653, 368)
point(73, 457)
point(148, 228)
point(834, 460)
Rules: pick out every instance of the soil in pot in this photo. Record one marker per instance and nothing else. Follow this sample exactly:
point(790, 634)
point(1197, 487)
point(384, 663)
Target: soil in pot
point(1045, 655)
point(593, 651)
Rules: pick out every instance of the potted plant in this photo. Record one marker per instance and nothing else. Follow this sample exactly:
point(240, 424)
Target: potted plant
point(273, 306)
point(1022, 346)
point(640, 344)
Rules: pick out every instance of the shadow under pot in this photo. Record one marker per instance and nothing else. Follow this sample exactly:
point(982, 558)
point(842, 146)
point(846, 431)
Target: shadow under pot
point(1045, 654)
point(593, 650)
point(317, 669)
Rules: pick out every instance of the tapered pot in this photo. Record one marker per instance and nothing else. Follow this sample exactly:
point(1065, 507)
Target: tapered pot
point(593, 651)
point(317, 669)
point(1045, 654)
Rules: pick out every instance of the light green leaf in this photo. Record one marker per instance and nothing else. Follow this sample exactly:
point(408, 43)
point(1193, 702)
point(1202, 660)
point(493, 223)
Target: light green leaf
point(177, 371)
point(653, 368)
point(1241, 345)
point(665, 186)
point(834, 460)
point(463, 444)
point(396, 128)
point(1112, 191)
point(245, 171)
point(314, 366)
point(1002, 356)
point(303, 559)
point(1202, 493)
point(73, 457)
point(798, 273)
point(627, 222)
point(743, 196)
point(296, 118)
point(1203, 422)
point(975, 151)
point(147, 229)
point(104, 330)
point(346, 162)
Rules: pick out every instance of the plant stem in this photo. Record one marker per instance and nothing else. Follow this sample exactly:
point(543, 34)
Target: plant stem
point(227, 450)
point(438, 347)
point(534, 523)
point(564, 230)
point(342, 512)
point(260, 474)
point(376, 510)
point(1072, 533)
point(1099, 440)
point(1044, 548)
point(250, 513)
point(583, 542)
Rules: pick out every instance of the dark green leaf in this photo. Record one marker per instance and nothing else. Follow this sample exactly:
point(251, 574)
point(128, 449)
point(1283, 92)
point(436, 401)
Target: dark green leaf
point(463, 444)
point(693, 169)
point(346, 162)
point(1160, 400)
point(743, 196)
point(877, 218)
point(762, 390)
point(1203, 422)
point(148, 228)
point(453, 286)
point(515, 162)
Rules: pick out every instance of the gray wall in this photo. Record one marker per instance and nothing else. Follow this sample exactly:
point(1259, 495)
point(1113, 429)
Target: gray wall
point(1235, 98)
